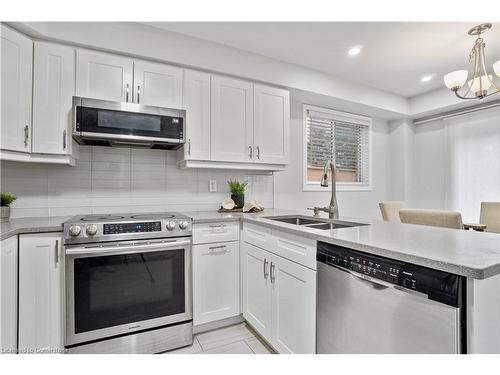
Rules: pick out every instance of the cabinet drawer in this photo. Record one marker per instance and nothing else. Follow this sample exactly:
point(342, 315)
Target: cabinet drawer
point(216, 232)
point(295, 248)
point(257, 235)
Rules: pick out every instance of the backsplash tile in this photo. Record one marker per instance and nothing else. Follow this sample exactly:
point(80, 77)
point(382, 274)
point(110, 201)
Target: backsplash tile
point(113, 180)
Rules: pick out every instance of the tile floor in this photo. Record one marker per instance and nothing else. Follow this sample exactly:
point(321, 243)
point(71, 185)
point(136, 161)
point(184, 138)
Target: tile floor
point(236, 339)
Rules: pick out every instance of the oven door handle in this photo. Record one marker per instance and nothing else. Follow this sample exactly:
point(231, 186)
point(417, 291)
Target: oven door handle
point(122, 250)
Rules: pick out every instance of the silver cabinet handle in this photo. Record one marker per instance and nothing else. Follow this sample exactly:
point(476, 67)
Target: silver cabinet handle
point(26, 135)
point(272, 273)
point(189, 146)
point(138, 94)
point(217, 247)
point(250, 152)
point(64, 139)
point(126, 97)
point(57, 251)
point(265, 269)
point(220, 226)
point(258, 152)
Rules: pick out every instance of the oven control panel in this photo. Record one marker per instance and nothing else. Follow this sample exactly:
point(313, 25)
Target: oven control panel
point(119, 228)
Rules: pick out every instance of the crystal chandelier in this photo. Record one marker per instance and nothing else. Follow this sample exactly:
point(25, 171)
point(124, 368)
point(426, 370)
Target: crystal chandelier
point(482, 84)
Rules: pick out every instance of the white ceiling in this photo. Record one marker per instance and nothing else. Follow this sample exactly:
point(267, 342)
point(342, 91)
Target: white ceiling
point(394, 56)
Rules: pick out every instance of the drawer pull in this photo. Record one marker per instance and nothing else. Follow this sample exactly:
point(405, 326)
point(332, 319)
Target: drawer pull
point(222, 249)
point(265, 269)
point(217, 226)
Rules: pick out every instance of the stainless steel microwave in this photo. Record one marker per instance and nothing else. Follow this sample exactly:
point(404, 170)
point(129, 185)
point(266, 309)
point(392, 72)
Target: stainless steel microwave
point(107, 123)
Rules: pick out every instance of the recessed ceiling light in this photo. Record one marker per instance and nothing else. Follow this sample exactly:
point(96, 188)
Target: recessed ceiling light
point(354, 51)
point(427, 78)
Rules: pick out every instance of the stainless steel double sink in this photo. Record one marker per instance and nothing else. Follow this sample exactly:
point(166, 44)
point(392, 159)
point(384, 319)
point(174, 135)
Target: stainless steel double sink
point(314, 222)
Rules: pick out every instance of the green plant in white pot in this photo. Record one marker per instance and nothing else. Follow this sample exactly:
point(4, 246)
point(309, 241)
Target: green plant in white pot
point(237, 190)
point(6, 200)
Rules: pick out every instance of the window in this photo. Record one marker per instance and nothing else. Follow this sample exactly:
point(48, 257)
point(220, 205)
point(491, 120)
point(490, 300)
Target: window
point(338, 136)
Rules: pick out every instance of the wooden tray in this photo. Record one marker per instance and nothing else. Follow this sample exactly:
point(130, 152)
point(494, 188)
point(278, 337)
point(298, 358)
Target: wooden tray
point(223, 210)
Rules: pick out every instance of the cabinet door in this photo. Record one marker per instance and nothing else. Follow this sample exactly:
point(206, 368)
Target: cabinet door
point(157, 84)
point(53, 89)
point(294, 307)
point(103, 76)
point(232, 120)
point(16, 83)
point(216, 281)
point(256, 288)
point(271, 125)
point(8, 295)
point(41, 292)
point(197, 104)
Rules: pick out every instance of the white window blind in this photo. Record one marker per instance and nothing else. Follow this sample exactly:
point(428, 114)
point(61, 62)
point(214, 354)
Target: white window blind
point(342, 137)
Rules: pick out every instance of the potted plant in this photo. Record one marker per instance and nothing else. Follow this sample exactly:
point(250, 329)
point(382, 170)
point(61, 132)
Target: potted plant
point(6, 200)
point(237, 190)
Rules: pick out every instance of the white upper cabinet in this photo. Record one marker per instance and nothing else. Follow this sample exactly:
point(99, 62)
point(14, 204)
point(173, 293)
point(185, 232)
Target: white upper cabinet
point(196, 101)
point(157, 84)
point(41, 288)
point(271, 125)
point(53, 89)
point(16, 88)
point(104, 76)
point(232, 120)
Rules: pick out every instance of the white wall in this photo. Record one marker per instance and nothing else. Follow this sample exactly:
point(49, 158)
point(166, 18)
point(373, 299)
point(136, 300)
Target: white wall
point(401, 156)
point(360, 204)
point(112, 180)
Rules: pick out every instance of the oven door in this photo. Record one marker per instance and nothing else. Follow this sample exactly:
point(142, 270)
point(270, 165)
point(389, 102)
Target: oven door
point(123, 287)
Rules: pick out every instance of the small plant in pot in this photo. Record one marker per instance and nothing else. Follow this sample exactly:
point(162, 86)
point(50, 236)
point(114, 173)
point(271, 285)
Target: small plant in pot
point(6, 200)
point(237, 190)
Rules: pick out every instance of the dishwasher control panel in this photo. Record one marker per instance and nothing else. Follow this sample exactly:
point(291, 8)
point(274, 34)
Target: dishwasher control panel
point(436, 284)
point(364, 264)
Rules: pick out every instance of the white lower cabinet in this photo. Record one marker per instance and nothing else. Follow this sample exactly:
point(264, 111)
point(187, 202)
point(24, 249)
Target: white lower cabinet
point(41, 291)
point(294, 307)
point(279, 300)
point(8, 295)
point(256, 288)
point(216, 286)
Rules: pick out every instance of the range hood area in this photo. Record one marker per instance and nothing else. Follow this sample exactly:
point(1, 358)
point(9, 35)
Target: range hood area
point(108, 123)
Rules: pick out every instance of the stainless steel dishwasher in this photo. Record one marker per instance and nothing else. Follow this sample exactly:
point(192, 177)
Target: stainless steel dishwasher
point(371, 304)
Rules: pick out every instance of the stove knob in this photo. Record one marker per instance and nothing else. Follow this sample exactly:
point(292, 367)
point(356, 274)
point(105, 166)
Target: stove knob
point(91, 229)
point(183, 224)
point(171, 225)
point(74, 230)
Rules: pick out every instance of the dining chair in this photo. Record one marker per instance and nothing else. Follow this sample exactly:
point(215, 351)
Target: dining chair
point(490, 216)
point(390, 210)
point(435, 218)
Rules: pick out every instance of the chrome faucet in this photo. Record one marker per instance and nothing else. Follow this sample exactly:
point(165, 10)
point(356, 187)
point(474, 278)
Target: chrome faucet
point(333, 208)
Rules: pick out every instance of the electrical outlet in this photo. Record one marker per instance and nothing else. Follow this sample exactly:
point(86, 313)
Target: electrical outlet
point(212, 186)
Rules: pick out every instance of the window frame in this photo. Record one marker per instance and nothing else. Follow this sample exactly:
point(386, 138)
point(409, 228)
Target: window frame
point(339, 116)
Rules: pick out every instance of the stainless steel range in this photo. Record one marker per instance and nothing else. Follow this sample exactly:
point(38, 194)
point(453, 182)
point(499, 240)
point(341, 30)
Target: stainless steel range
point(128, 283)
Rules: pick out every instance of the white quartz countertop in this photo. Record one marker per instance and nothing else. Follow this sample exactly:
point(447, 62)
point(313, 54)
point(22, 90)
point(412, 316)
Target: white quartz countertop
point(466, 253)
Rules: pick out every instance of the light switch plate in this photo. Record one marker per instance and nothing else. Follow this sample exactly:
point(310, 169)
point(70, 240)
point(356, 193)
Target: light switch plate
point(212, 186)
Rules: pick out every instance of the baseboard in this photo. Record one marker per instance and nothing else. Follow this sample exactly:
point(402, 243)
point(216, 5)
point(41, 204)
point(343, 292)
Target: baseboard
point(218, 324)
